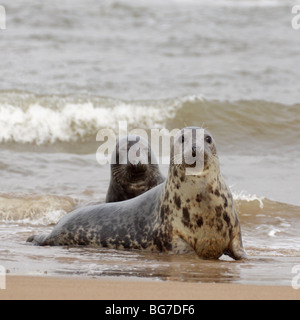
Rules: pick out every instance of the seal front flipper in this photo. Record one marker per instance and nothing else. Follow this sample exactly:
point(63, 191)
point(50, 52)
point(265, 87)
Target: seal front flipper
point(38, 240)
point(236, 249)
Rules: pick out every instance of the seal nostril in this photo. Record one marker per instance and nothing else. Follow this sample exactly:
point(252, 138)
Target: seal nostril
point(194, 152)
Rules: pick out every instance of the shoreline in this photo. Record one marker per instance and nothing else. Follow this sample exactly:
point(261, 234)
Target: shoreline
point(50, 288)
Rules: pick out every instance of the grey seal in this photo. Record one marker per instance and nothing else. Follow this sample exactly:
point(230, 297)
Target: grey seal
point(137, 175)
point(187, 212)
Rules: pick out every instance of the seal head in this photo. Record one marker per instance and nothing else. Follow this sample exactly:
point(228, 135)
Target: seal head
point(135, 170)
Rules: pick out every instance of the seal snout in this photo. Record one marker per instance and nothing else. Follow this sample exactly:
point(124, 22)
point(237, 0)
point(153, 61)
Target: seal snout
point(138, 168)
point(198, 152)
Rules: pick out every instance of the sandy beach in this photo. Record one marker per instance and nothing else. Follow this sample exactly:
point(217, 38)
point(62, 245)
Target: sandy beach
point(41, 288)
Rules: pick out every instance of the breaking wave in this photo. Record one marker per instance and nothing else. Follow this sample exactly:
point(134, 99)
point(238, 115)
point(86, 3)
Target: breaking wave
point(34, 210)
point(40, 120)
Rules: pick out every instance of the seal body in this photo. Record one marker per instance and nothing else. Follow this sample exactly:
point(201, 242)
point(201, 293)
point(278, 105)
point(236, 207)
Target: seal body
point(121, 225)
point(135, 172)
point(186, 212)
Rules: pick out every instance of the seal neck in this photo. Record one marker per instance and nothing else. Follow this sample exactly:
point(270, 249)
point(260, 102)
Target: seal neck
point(185, 193)
point(190, 185)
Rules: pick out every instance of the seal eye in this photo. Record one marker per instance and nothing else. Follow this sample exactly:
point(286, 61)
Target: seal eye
point(208, 139)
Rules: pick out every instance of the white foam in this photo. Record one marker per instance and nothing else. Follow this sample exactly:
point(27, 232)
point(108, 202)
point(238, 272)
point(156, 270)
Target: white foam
point(243, 196)
point(34, 210)
point(273, 232)
point(47, 218)
point(73, 122)
point(40, 123)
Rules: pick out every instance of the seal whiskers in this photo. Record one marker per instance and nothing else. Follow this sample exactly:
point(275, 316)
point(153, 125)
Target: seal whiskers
point(136, 176)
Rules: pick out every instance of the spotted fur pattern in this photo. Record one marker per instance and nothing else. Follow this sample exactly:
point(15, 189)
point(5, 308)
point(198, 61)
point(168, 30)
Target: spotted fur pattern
point(185, 213)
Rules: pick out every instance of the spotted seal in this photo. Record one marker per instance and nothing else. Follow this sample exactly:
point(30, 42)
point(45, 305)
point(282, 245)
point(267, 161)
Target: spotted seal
point(187, 212)
point(136, 176)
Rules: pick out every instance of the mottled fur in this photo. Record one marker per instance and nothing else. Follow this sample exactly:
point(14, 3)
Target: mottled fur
point(185, 213)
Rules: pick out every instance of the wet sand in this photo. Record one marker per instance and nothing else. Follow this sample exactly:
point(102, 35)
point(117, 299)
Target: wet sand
point(41, 288)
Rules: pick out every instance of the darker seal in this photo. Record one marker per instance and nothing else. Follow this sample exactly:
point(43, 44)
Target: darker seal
point(138, 175)
point(187, 212)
